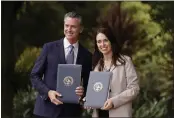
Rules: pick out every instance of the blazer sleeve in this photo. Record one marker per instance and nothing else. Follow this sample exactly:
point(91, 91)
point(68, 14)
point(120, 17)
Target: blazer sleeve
point(88, 68)
point(38, 72)
point(132, 89)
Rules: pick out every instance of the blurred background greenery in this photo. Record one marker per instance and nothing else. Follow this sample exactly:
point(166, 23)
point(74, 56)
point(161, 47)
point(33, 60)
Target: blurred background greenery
point(26, 26)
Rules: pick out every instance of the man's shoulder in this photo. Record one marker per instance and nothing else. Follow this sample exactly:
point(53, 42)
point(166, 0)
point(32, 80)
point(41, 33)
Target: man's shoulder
point(85, 50)
point(52, 43)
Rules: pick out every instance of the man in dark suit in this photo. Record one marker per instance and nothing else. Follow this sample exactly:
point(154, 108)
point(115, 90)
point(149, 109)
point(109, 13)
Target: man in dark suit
point(44, 72)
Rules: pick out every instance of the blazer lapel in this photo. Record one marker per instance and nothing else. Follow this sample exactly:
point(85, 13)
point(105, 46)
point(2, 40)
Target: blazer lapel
point(113, 67)
point(61, 52)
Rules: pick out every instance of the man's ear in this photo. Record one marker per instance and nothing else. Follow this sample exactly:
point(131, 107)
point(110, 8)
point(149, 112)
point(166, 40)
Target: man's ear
point(81, 29)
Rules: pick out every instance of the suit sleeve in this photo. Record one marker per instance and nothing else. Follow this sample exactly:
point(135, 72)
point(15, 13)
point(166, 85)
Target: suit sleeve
point(132, 89)
point(38, 72)
point(88, 68)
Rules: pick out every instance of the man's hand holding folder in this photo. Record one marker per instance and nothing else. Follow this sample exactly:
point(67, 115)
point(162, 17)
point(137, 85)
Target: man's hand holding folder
point(79, 91)
point(53, 97)
point(54, 94)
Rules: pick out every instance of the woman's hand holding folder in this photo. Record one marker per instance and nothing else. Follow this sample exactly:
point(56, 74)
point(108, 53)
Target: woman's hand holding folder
point(108, 105)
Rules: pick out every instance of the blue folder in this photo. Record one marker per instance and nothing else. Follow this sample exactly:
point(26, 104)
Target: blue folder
point(68, 79)
point(98, 89)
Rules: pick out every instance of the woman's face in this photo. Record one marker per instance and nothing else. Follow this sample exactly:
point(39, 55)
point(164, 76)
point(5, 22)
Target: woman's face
point(103, 44)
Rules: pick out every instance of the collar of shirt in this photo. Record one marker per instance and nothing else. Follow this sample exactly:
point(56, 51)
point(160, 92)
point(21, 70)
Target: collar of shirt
point(67, 44)
point(67, 48)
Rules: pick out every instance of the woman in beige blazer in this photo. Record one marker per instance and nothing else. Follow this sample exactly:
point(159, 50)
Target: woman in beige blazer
point(124, 83)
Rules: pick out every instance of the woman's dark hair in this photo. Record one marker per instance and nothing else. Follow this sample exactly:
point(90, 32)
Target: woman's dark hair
point(118, 28)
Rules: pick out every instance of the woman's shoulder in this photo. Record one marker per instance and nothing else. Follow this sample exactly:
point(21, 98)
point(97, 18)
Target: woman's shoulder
point(128, 60)
point(126, 57)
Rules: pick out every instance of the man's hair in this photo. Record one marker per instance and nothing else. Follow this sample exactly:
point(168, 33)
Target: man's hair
point(73, 15)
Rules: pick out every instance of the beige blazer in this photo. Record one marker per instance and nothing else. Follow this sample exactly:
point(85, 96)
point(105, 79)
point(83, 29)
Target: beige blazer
point(124, 88)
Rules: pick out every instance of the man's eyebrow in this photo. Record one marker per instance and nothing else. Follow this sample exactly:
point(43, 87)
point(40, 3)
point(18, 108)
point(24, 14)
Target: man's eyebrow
point(69, 24)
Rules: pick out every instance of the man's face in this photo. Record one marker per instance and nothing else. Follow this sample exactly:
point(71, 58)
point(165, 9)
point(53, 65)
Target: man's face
point(72, 28)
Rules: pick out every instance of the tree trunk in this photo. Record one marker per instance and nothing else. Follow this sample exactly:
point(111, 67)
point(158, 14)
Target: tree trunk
point(8, 11)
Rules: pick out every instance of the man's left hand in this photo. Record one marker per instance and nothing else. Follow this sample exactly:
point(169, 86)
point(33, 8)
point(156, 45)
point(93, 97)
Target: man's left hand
point(79, 91)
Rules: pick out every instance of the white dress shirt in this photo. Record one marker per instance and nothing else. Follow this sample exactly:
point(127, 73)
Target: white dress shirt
point(67, 48)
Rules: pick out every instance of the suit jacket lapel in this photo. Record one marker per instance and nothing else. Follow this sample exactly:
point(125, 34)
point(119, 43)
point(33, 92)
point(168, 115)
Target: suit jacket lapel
point(61, 54)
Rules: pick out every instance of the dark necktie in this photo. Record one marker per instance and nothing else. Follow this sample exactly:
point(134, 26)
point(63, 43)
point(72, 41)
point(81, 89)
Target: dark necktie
point(70, 56)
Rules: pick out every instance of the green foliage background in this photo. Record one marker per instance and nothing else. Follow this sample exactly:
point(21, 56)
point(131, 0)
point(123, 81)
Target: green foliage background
point(41, 22)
